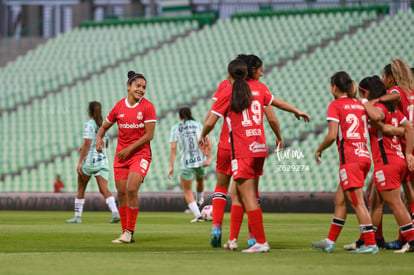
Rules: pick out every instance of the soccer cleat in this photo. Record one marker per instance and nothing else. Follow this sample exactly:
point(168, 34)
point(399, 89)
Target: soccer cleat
point(231, 245)
point(215, 240)
point(354, 246)
point(257, 248)
point(324, 246)
point(115, 218)
point(74, 220)
point(118, 240)
point(197, 219)
point(251, 242)
point(405, 248)
point(394, 245)
point(366, 249)
point(126, 237)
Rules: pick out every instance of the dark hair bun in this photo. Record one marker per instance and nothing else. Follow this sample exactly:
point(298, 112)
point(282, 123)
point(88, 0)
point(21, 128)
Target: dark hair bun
point(131, 74)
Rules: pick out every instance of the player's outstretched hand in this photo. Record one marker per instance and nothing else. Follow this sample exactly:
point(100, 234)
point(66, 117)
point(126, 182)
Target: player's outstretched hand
point(170, 173)
point(279, 145)
point(305, 116)
point(318, 155)
point(99, 145)
point(410, 161)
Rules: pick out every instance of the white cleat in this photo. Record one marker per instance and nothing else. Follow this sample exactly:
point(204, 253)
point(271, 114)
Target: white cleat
point(197, 219)
point(117, 240)
point(126, 237)
point(258, 248)
point(231, 245)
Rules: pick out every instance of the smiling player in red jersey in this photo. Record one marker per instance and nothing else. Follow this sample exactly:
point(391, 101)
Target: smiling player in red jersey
point(136, 120)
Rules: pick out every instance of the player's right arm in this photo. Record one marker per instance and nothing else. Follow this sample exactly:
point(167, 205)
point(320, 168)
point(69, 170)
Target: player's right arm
point(99, 136)
point(283, 105)
point(329, 139)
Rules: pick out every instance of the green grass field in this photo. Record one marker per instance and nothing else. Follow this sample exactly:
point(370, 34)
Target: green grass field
point(167, 243)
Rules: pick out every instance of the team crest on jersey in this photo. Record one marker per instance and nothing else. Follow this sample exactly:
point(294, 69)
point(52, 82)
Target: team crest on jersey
point(140, 116)
point(144, 165)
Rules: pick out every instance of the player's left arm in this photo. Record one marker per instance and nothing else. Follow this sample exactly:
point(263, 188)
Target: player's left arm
point(283, 105)
point(147, 137)
point(173, 151)
point(274, 125)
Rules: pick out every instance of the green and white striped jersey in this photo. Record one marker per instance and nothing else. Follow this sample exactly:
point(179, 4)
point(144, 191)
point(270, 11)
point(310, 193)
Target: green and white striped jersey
point(186, 134)
point(93, 158)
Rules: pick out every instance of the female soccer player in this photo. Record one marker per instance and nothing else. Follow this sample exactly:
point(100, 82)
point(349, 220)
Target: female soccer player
point(255, 72)
point(192, 160)
point(390, 165)
point(242, 104)
point(136, 120)
point(94, 163)
point(399, 81)
point(348, 126)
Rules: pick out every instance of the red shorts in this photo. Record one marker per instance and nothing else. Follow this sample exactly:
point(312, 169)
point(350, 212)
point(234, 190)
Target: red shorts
point(247, 168)
point(223, 163)
point(352, 175)
point(409, 175)
point(390, 176)
point(137, 163)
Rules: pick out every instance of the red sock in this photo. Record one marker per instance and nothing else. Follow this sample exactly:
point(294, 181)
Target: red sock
point(219, 205)
point(336, 226)
point(368, 235)
point(407, 231)
point(412, 209)
point(236, 219)
point(256, 222)
point(378, 232)
point(131, 218)
point(123, 217)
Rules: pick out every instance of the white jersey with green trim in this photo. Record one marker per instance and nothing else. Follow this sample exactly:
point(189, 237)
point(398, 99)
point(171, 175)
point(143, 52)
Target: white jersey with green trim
point(186, 134)
point(93, 158)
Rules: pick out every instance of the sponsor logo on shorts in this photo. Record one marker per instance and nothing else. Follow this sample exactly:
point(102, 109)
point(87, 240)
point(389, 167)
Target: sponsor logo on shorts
point(343, 176)
point(144, 165)
point(379, 175)
point(131, 126)
point(256, 147)
point(234, 166)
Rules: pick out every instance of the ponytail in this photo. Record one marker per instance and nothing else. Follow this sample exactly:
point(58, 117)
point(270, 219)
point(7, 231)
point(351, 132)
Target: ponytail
point(241, 94)
point(95, 109)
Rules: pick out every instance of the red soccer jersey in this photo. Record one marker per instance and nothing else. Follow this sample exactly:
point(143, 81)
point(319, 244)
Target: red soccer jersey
point(247, 127)
point(352, 131)
point(131, 122)
point(224, 141)
point(405, 105)
point(385, 148)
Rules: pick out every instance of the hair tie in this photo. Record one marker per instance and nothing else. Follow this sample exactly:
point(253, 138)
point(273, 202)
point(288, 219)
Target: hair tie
point(365, 90)
point(135, 76)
